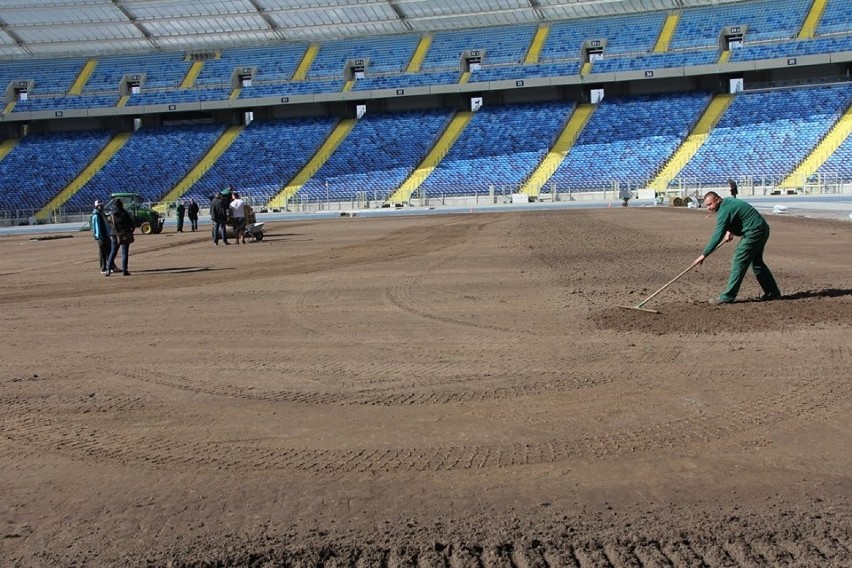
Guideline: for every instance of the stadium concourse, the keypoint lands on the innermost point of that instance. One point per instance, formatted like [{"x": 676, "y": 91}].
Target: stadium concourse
[
  {"x": 428, "y": 390},
  {"x": 837, "y": 206}
]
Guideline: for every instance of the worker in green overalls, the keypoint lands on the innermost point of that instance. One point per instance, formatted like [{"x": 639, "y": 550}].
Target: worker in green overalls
[{"x": 735, "y": 217}]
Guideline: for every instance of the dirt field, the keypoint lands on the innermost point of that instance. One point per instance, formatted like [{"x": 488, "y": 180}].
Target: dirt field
[{"x": 438, "y": 391}]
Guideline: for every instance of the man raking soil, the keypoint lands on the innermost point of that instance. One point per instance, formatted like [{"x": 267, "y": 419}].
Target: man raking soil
[{"x": 735, "y": 217}]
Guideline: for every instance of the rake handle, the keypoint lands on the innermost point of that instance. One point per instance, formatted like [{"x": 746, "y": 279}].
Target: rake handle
[{"x": 672, "y": 281}]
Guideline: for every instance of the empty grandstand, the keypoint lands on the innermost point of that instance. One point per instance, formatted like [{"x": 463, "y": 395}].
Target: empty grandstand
[{"x": 370, "y": 110}]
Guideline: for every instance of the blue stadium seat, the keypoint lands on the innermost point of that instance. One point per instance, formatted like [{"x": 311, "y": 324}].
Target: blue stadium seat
[
  {"x": 388, "y": 54},
  {"x": 51, "y": 76},
  {"x": 836, "y": 18},
  {"x": 765, "y": 20},
  {"x": 378, "y": 155},
  {"x": 634, "y": 33},
  {"x": 628, "y": 139},
  {"x": 152, "y": 161},
  {"x": 501, "y": 147},
  {"x": 767, "y": 133},
  {"x": 43, "y": 164},
  {"x": 505, "y": 44},
  {"x": 264, "y": 158}
]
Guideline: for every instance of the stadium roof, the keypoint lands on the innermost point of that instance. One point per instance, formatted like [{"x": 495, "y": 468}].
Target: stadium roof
[{"x": 52, "y": 28}]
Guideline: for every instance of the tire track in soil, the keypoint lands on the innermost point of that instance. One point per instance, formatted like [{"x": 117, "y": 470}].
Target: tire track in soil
[
  {"x": 398, "y": 295},
  {"x": 405, "y": 394},
  {"x": 402, "y": 295},
  {"x": 404, "y": 242},
  {"x": 581, "y": 551},
  {"x": 304, "y": 305},
  {"x": 804, "y": 399},
  {"x": 96, "y": 403}
]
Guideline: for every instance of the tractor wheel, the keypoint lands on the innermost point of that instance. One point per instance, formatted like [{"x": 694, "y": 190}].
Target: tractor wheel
[{"x": 146, "y": 228}]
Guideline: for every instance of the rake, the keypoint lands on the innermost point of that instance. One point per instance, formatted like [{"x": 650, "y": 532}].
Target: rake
[{"x": 666, "y": 285}]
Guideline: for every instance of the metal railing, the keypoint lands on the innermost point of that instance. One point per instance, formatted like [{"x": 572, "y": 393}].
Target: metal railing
[{"x": 748, "y": 185}]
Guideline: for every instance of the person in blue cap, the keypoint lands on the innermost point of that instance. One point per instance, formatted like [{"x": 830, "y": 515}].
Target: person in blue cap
[{"x": 102, "y": 232}]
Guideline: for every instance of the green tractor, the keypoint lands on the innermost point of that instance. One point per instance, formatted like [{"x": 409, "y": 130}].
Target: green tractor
[{"x": 147, "y": 220}]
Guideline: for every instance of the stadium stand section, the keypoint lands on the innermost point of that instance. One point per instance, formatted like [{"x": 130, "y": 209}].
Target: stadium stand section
[
  {"x": 655, "y": 61},
  {"x": 504, "y": 72},
  {"x": 171, "y": 96},
  {"x": 839, "y": 165},
  {"x": 42, "y": 164},
  {"x": 273, "y": 64},
  {"x": 292, "y": 88},
  {"x": 792, "y": 48},
  {"x": 500, "y": 147},
  {"x": 628, "y": 139},
  {"x": 38, "y": 102},
  {"x": 837, "y": 18},
  {"x": 384, "y": 55},
  {"x": 377, "y": 156},
  {"x": 162, "y": 71},
  {"x": 623, "y": 34},
  {"x": 765, "y": 134},
  {"x": 765, "y": 20},
  {"x": 51, "y": 76},
  {"x": 506, "y": 44},
  {"x": 771, "y": 26},
  {"x": 266, "y": 156},
  {"x": 406, "y": 80},
  {"x": 150, "y": 163}
]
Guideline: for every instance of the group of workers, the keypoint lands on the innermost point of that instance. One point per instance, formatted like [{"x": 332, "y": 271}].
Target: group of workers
[
  {"x": 228, "y": 208},
  {"x": 734, "y": 217}
]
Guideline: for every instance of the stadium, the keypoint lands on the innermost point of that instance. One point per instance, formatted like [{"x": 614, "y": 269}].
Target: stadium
[{"x": 426, "y": 361}]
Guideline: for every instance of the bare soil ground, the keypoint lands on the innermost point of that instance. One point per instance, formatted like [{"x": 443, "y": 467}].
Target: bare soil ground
[{"x": 438, "y": 391}]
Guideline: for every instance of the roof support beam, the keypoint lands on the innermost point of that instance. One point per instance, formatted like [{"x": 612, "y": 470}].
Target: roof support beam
[
  {"x": 399, "y": 14},
  {"x": 173, "y": 24},
  {"x": 4, "y": 27},
  {"x": 263, "y": 14},
  {"x": 536, "y": 7},
  {"x": 145, "y": 33}
]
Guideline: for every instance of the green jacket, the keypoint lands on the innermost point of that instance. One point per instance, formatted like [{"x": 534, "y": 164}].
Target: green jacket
[{"x": 738, "y": 217}]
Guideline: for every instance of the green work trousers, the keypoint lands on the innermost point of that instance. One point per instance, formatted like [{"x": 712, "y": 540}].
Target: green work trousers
[{"x": 749, "y": 251}]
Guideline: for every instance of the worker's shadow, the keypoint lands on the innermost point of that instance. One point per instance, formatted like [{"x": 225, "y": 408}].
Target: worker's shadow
[
  {"x": 826, "y": 293},
  {"x": 179, "y": 270},
  {"x": 275, "y": 237}
]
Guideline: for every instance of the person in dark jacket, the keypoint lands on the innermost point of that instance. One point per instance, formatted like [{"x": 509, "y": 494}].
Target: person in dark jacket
[
  {"x": 219, "y": 208},
  {"x": 122, "y": 227},
  {"x": 180, "y": 213},
  {"x": 192, "y": 213},
  {"x": 733, "y": 185},
  {"x": 736, "y": 217},
  {"x": 102, "y": 232}
]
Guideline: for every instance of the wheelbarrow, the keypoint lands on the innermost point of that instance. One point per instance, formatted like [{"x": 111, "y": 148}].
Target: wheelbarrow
[{"x": 254, "y": 231}]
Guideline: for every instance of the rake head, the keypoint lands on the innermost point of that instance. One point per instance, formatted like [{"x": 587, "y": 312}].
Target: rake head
[{"x": 640, "y": 308}]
